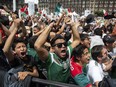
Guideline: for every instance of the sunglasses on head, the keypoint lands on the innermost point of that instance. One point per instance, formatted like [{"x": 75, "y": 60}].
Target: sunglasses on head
[{"x": 59, "y": 45}]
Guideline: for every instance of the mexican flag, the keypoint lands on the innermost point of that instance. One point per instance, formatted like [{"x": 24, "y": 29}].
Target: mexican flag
[
  {"x": 23, "y": 11},
  {"x": 58, "y": 8}
]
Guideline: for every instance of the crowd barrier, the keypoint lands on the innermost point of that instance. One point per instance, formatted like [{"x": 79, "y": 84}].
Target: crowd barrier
[
  {"x": 57, "y": 84},
  {"x": 53, "y": 83}
]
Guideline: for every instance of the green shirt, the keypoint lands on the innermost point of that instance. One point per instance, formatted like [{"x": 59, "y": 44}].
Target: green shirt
[
  {"x": 34, "y": 54},
  {"x": 58, "y": 70}
]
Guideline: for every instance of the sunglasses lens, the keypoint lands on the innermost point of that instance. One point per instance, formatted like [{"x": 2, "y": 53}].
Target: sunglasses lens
[
  {"x": 65, "y": 44},
  {"x": 60, "y": 45}
]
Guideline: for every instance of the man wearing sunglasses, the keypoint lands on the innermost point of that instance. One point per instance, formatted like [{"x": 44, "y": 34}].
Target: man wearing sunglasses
[{"x": 57, "y": 62}]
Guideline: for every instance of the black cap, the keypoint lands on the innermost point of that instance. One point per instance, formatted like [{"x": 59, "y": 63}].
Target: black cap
[{"x": 108, "y": 39}]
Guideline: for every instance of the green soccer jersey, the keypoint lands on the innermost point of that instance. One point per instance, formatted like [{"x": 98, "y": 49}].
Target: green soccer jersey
[
  {"x": 58, "y": 70},
  {"x": 33, "y": 53}
]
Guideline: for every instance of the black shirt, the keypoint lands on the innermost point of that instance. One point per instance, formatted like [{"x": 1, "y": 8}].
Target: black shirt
[
  {"x": 4, "y": 65},
  {"x": 27, "y": 64}
]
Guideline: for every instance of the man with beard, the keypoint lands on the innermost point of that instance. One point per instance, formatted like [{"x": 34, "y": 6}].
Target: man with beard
[{"x": 57, "y": 62}]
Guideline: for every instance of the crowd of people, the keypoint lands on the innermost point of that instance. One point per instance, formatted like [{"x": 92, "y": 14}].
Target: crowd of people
[{"x": 80, "y": 52}]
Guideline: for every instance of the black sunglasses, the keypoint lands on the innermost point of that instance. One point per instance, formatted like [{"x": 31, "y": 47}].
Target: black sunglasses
[{"x": 59, "y": 45}]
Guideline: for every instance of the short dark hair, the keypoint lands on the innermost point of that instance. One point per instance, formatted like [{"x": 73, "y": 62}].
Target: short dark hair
[
  {"x": 96, "y": 51},
  {"x": 78, "y": 51},
  {"x": 108, "y": 39},
  {"x": 16, "y": 41},
  {"x": 83, "y": 36},
  {"x": 98, "y": 31},
  {"x": 86, "y": 28},
  {"x": 57, "y": 36}
]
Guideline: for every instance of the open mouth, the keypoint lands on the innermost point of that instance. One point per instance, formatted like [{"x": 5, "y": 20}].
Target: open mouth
[
  {"x": 88, "y": 59},
  {"x": 63, "y": 51},
  {"x": 23, "y": 53}
]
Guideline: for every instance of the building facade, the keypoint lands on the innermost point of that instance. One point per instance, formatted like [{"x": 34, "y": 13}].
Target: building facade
[
  {"x": 9, "y": 3},
  {"x": 75, "y": 5},
  {"x": 80, "y": 5}
]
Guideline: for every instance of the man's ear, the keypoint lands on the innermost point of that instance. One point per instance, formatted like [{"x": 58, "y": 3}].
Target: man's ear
[
  {"x": 52, "y": 49},
  {"x": 99, "y": 58},
  {"x": 78, "y": 58},
  {"x": 106, "y": 44},
  {"x": 81, "y": 42}
]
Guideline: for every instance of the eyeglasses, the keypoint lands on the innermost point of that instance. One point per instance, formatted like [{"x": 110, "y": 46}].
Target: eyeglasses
[{"x": 59, "y": 45}]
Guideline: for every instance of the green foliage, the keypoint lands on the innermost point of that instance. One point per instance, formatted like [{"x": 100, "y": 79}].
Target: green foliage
[{"x": 99, "y": 13}]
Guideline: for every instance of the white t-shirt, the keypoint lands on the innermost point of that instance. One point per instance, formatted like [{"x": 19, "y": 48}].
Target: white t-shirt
[
  {"x": 96, "y": 40},
  {"x": 95, "y": 71}
]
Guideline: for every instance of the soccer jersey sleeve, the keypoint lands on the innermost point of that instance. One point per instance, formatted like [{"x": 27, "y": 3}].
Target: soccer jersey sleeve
[
  {"x": 82, "y": 80},
  {"x": 78, "y": 75}
]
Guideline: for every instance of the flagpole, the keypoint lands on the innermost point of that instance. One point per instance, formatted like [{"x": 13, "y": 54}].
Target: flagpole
[
  {"x": 14, "y": 5},
  {"x": 93, "y": 6},
  {"x": 19, "y": 13}
]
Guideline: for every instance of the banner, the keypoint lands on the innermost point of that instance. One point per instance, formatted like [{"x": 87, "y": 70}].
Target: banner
[{"x": 31, "y": 8}]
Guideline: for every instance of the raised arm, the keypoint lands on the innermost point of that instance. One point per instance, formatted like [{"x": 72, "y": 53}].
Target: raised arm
[
  {"x": 11, "y": 27},
  {"x": 62, "y": 29},
  {"x": 52, "y": 34},
  {"x": 24, "y": 31},
  {"x": 76, "y": 37},
  {"x": 59, "y": 20},
  {"x": 7, "y": 47},
  {"x": 42, "y": 52},
  {"x": 38, "y": 33}
]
